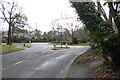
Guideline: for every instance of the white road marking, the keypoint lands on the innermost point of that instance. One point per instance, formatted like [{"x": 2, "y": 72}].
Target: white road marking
[
  {"x": 18, "y": 62},
  {"x": 61, "y": 71},
  {"x": 1, "y": 68},
  {"x": 35, "y": 55},
  {"x": 27, "y": 58},
  {"x": 43, "y": 52}
]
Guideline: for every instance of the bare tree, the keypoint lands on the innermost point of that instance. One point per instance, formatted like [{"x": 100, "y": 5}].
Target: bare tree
[
  {"x": 12, "y": 14},
  {"x": 71, "y": 30},
  {"x": 37, "y": 34}
]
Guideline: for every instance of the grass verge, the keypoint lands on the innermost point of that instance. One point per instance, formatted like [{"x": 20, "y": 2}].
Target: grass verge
[
  {"x": 9, "y": 48},
  {"x": 27, "y": 46}
]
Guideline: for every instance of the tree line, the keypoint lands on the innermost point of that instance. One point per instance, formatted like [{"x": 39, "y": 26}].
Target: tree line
[{"x": 24, "y": 35}]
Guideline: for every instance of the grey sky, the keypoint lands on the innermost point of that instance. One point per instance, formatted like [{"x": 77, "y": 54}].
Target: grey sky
[{"x": 41, "y": 13}]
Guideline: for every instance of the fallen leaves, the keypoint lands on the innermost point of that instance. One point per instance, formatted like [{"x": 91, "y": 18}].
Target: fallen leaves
[
  {"x": 89, "y": 56},
  {"x": 106, "y": 72},
  {"x": 101, "y": 72}
]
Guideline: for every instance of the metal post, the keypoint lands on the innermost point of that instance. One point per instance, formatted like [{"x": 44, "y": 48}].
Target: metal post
[{"x": 61, "y": 29}]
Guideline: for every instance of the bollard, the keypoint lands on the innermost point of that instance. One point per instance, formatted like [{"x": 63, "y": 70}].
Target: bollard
[
  {"x": 24, "y": 44},
  {"x": 54, "y": 45},
  {"x": 29, "y": 41},
  {"x": 66, "y": 45}
]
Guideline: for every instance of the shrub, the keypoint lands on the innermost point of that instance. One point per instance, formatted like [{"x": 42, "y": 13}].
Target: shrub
[
  {"x": 68, "y": 42},
  {"x": 84, "y": 40},
  {"x": 75, "y": 41}
]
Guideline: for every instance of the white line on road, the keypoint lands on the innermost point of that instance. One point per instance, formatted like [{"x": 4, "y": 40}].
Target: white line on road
[
  {"x": 35, "y": 55},
  {"x": 43, "y": 51},
  {"x": 25, "y": 59},
  {"x": 1, "y": 68},
  {"x": 61, "y": 71},
  {"x": 17, "y": 62}
]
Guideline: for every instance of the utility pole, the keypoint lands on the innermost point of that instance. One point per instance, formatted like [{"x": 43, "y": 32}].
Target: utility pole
[{"x": 61, "y": 29}]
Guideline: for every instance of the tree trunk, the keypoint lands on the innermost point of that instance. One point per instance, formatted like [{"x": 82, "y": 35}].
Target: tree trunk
[
  {"x": 13, "y": 29},
  {"x": 9, "y": 35},
  {"x": 115, "y": 16},
  {"x": 100, "y": 8},
  {"x": 110, "y": 17},
  {"x": 116, "y": 59}
]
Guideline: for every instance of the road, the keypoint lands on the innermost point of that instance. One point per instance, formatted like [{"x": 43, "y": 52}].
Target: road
[{"x": 40, "y": 61}]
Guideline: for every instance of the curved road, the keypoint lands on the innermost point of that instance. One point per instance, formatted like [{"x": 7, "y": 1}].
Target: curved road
[{"x": 39, "y": 61}]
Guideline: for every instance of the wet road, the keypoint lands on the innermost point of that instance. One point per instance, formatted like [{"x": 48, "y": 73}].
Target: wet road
[{"x": 39, "y": 61}]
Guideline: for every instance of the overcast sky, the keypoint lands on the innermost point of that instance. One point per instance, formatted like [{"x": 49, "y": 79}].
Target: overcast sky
[{"x": 41, "y": 13}]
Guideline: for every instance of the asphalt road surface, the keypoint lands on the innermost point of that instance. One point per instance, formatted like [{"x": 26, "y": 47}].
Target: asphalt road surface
[{"x": 40, "y": 61}]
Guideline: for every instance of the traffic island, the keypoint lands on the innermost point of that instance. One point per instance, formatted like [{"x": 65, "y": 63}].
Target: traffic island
[{"x": 59, "y": 48}]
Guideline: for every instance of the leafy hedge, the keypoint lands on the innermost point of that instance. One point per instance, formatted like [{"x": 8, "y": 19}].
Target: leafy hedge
[{"x": 68, "y": 42}]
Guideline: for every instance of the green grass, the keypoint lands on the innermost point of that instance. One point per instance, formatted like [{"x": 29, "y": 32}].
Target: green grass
[
  {"x": 27, "y": 46},
  {"x": 7, "y": 48}
]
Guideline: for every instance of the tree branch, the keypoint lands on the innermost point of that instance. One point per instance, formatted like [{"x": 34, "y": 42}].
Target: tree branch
[{"x": 3, "y": 12}]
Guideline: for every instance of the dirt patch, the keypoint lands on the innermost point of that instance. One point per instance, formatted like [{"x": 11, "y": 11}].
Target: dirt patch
[
  {"x": 84, "y": 65},
  {"x": 89, "y": 56}
]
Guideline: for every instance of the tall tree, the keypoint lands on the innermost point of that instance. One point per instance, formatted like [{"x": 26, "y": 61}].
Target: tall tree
[
  {"x": 12, "y": 14},
  {"x": 102, "y": 36},
  {"x": 37, "y": 34}
]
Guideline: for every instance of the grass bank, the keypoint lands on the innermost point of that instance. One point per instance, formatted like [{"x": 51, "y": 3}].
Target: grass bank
[
  {"x": 9, "y": 48},
  {"x": 27, "y": 46}
]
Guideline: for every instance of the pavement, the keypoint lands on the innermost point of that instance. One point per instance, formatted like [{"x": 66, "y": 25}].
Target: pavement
[{"x": 40, "y": 61}]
